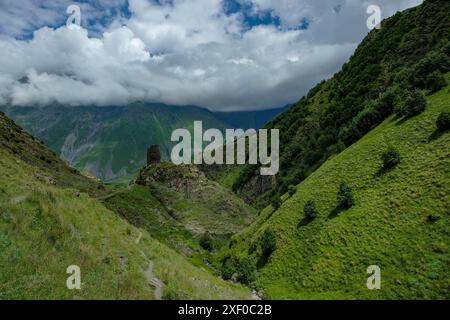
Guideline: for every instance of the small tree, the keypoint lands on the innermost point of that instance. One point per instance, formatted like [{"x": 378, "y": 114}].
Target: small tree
[
  {"x": 443, "y": 121},
  {"x": 228, "y": 269},
  {"x": 345, "y": 196},
  {"x": 415, "y": 104},
  {"x": 435, "y": 81},
  {"x": 310, "y": 210},
  {"x": 207, "y": 242},
  {"x": 268, "y": 242},
  {"x": 390, "y": 158},
  {"x": 292, "y": 190},
  {"x": 247, "y": 270}
]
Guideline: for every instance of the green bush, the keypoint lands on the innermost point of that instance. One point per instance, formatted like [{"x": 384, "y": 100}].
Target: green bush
[
  {"x": 415, "y": 104},
  {"x": 268, "y": 242},
  {"x": 435, "y": 82},
  {"x": 443, "y": 121},
  {"x": 247, "y": 270},
  {"x": 390, "y": 158},
  {"x": 345, "y": 196},
  {"x": 207, "y": 242},
  {"x": 310, "y": 210},
  {"x": 228, "y": 269},
  {"x": 292, "y": 190},
  {"x": 433, "y": 62}
]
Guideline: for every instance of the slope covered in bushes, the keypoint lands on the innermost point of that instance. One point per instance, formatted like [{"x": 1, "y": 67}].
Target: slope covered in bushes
[
  {"x": 411, "y": 52},
  {"x": 398, "y": 219}
]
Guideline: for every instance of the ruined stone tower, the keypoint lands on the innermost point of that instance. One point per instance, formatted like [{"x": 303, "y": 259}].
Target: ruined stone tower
[{"x": 153, "y": 154}]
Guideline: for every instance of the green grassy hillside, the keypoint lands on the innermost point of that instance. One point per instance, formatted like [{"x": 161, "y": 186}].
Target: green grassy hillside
[
  {"x": 50, "y": 219},
  {"x": 392, "y": 224},
  {"x": 44, "y": 229},
  {"x": 404, "y": 55},
  {"x": 178, "y": 205}
]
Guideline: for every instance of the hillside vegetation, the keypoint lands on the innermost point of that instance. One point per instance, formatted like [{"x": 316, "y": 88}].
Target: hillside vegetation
[
  {"x": 400, "y": 221},
  {"x": 179, "y": 206},
  {"x": 48, "y": 222},
  {"x": 411, "y": 51}
]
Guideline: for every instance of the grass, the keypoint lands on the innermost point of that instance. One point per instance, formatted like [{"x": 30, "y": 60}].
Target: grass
[
  {"x": 45, "y": 228},
  {"x": 139, "y": 207},
  {"x": 327, "y": 258}
]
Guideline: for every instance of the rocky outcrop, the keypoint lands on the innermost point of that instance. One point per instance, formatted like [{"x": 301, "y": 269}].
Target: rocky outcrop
[
  {"x": 172, "y": 176},
  {"x": 193, "y": 200}
]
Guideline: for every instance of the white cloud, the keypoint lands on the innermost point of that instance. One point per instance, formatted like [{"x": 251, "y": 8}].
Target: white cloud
[{"x": 186, "y": 52}]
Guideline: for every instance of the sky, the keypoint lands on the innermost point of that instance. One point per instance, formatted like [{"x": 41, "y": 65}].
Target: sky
[{"x": 224, "y": 55}]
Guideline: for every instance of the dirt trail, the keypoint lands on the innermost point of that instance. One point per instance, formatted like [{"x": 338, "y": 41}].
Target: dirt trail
[
  {"x": 152, "y": 280},
  {"x": 138, "y": 238}
]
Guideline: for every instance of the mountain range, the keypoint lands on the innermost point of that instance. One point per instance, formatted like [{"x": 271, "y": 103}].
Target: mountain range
[
  {"x": 111, "y": 143},
  {"x": 364, "y": 185}
]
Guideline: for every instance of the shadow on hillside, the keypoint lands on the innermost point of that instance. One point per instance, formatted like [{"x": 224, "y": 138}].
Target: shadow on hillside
[
  {"x": 262, "y": 261},
  {"x": 401, "y": 120},
  {"x": 304, "y": 222},
  {"x": 395, "y": 118},
  {"x": 436, "y": 135},
  {"x": 382, "y": 171},
  {"x": 336, "y": 212}
]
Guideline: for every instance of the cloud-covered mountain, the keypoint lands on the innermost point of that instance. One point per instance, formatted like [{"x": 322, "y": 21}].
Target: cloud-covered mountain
[{"x": 220, "y": 54}]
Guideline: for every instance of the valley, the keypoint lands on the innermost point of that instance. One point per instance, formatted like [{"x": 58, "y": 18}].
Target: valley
[{"x": 362, "y": 189}]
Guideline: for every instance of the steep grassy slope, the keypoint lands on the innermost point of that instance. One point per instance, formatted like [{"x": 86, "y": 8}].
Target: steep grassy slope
[
  {"x": 47, "y": 224},
  {"x": 109, "y": 142},
  {"x": 388, "y": 64},
  {"x": 389, "y": 225},
  {"x": 23, "y": 146}
]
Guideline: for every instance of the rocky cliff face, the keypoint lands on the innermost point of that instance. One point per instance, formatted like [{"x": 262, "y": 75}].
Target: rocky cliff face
[{"x": 172, "y": 176}]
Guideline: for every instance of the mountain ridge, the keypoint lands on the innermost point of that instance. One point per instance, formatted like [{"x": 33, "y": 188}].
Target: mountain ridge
[
  {"x": 111, "y": 142},
  {"x": 387, "y": 65}
]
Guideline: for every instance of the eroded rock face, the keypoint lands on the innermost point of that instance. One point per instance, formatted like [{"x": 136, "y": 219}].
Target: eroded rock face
[
  {"x": 257, "y": 186},
  {"x": 174, "y": 177}
]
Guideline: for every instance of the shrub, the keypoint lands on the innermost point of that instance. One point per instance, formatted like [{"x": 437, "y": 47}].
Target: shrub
[
  {"x": 434, "y": 61},
  {"x": 435, "y": 82},
  {"x": 415, "y": 104},
  {"x": 292, "y": 190},
  {"x": 391, "y": 99},
  {"x": 310, "y": 210},
  {"x": 247, "y": 270},
  {"x": 276, "y": 202},
  {"x": 443, "y": 121},
  {"x": 390, "y": 158},
  {"x": 207, "y": 242},
  {"x": 228, "y": 269},
  {"x": 345, "y": 196},
  {"x": 268, "y": 242}
]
